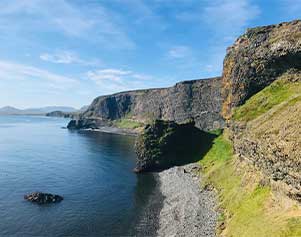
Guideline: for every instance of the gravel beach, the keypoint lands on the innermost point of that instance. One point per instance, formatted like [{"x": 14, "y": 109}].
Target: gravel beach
[{"x": 187, "y": 210}]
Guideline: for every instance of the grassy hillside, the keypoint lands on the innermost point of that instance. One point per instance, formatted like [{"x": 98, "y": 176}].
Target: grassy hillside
[
  {"x": 128, "y": 124},
  {"x": 249, "y": 207},
  {"x": 286, "y": 88}
]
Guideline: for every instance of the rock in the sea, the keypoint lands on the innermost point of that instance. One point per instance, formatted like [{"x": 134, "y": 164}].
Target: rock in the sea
[
  {"x": 43, "y": 198},
  {"x": 164, "y": 144}
]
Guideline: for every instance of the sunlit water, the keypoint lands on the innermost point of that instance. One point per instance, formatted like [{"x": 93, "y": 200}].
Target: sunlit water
[{"x": 91, "y": 170}]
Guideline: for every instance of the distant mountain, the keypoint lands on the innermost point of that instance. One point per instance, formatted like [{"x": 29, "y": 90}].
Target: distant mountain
[{"x": 8, "y": 110}]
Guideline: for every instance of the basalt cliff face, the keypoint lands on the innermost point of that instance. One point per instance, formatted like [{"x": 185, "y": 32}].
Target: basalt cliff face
[
  {"x": 199, "y": 100},
  {"x": 256, "y": 59}
]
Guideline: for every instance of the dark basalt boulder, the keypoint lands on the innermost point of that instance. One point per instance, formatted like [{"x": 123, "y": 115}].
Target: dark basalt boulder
[
  {"x": 164, "y": 144},
  {"x": 43, "y": 198}
]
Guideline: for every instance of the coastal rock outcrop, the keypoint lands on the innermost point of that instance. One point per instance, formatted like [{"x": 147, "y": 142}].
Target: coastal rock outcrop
[
  {"x": 164, "y": 144},
  {"x": 60, "y": 114},
  {"x": 199, "y": 100},
  {"x": 43, "y": 198},
  {"x": 256, "y": 59}
]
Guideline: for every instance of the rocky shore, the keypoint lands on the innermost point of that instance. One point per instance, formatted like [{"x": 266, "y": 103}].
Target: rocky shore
[
  {"x": 187, "y": 209},
  {"x": 179, "y": 206}
]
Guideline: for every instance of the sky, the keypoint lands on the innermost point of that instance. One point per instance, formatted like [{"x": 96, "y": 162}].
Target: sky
[{"x": 67, "y": 52}]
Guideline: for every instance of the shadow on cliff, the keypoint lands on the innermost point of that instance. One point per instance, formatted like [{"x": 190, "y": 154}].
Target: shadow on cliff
[
  {"x": 165, "y": 144},
  {"x": 192, "y": 147}
]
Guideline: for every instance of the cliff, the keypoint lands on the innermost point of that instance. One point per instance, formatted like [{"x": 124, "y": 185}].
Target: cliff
[
  {"x": 256, "y": 59},
  {"x": 199, "y": 100},
  {"x": 262, "y": 91},
  {"x": 256, "y": 163}
]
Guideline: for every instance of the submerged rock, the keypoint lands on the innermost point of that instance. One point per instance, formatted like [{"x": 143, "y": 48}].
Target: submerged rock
[
  {"x": 164, "y": 144},
  {"x": 43, "y": 198}
]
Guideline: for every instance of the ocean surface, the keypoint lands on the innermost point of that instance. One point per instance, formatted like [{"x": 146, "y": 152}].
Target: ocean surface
[{"x": 91, "y": 170}]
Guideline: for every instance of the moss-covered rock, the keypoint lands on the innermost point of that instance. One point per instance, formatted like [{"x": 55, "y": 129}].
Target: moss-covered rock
[{"x": 164, "y": 144}]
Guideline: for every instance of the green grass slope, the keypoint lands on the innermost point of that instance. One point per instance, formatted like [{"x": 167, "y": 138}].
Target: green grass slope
[
  {"x": 248, "y": 207},
  {"x": 286, "y": 88}
]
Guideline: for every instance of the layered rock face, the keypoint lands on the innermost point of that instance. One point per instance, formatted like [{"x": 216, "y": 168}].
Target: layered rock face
[
  {"x": 199, "y": 100},
  {"x": 256, "y": 59}
]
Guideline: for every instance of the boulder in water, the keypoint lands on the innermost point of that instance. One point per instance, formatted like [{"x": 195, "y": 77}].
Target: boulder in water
[{"x": 43, "y": 198}]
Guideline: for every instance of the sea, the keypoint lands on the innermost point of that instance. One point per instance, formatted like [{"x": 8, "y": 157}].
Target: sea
[{"x": 93, "y": 171}]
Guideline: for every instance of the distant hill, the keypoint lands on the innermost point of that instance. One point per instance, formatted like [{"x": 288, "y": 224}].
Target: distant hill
[{"x": 9, "y": 110}]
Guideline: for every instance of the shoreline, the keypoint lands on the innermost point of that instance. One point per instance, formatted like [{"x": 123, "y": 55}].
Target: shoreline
[
  {"x": 111, "y": 130},
  {"x": 147, "y": 222},
  {"x": 187, "y": 209}
]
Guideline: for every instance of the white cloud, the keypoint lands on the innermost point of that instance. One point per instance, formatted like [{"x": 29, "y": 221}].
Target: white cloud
[
  {"x": 74, "y": 19},
  {"x": 67, "y": 57},
  {"x": 18, "y": 72},
  {"x": 116, "y": 80}
]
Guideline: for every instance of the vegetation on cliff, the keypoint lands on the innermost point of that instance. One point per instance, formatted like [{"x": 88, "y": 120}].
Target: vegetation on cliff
[
  {"x": 127, "y": 123},
  {"x": 266, "y": 132},
  {"x": 287, "y": 88},
  {"x": 248, "y": 206}
]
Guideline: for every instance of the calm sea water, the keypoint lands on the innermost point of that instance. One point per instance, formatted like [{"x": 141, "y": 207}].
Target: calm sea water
[{"x": 91, "y": 170}]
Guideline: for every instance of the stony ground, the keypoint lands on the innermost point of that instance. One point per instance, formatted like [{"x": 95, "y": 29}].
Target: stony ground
[{"x": 187, "y": 209}]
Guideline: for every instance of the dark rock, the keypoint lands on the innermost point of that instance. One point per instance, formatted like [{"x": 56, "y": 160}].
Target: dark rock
[
  {"x": 164, "y": 144},
  {"x": 86, "y": 123},
  {"x": 43, "y": 198}
]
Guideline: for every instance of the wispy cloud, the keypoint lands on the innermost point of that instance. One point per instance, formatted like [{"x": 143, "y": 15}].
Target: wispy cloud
[
  {"x": 91, "y": 22},
  {"x": 115, "y": 80},
  {"x": 68, "y": 57},
  {"x": 18, "y": 72}
]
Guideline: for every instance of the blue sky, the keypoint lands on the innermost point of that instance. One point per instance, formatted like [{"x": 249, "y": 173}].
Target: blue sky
[{"x": 67, "y": 52}]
